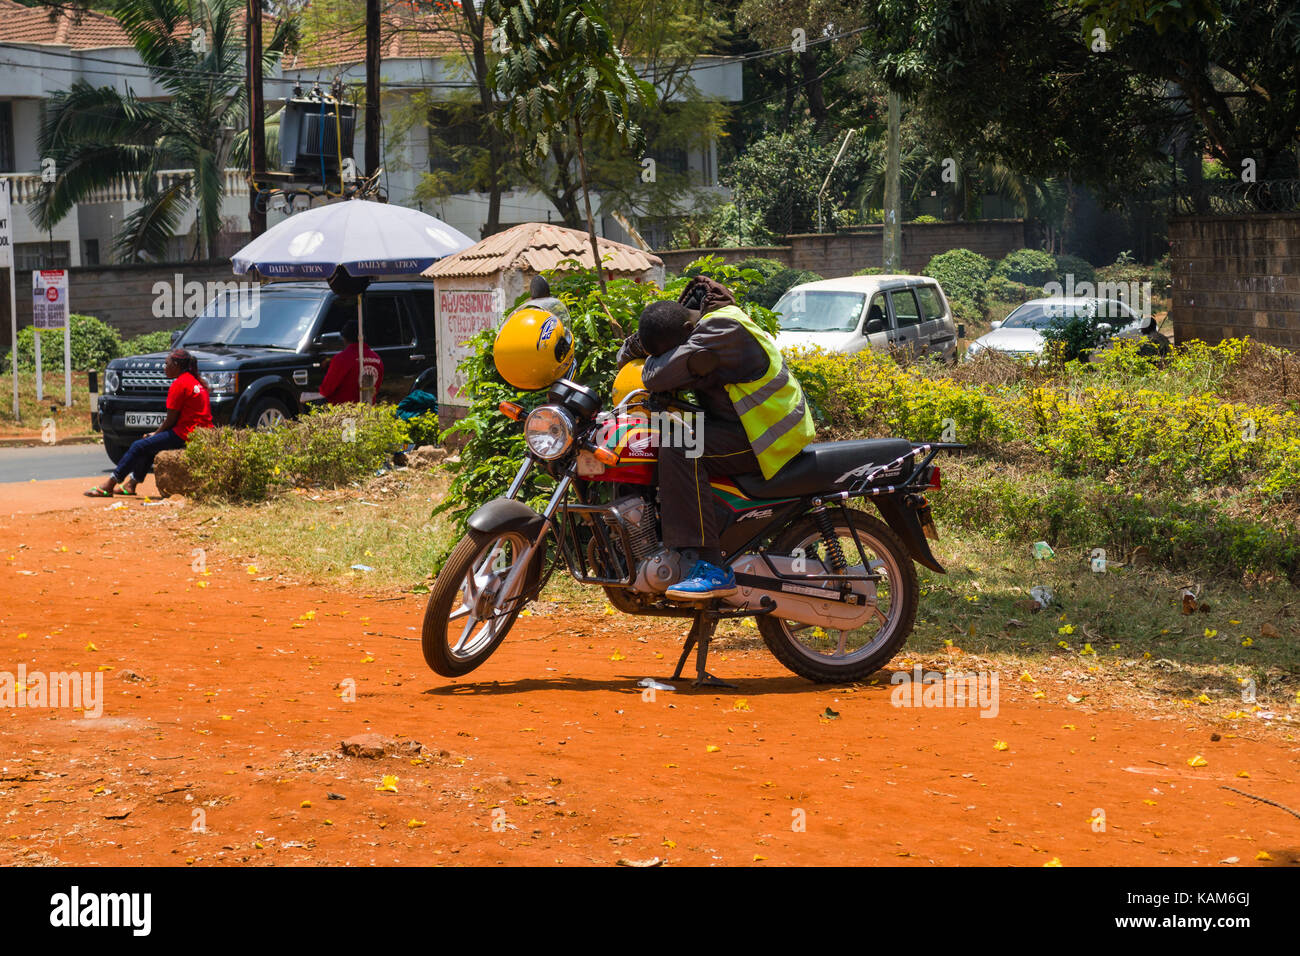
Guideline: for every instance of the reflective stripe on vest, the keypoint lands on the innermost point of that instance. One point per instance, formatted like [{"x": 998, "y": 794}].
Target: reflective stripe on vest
[{"x": 772, "y": 409}]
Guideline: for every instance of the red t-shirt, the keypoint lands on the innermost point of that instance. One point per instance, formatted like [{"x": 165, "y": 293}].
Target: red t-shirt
[
  {"x": 340, "y": 384},
  {"x": 188, "y": 396}
]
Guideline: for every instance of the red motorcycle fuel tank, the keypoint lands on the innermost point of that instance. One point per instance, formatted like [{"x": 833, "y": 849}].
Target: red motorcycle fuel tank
[{"x": 632, "y": 438}]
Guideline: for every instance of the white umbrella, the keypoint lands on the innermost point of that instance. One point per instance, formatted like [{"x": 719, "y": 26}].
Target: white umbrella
[{"x": 361, "y": 239}]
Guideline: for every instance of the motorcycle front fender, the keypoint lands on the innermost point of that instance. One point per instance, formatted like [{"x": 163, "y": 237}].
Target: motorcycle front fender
[{"x": 506, "y": 514}]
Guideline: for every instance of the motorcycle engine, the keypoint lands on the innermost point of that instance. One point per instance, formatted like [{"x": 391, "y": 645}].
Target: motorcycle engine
[{"x": 657, "y": 568}]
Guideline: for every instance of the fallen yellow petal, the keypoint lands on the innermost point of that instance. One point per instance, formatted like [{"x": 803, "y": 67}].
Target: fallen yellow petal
[
  {"x": 389, "y": 784},
  {"x": 1000, "y": 745},
  {"x": 1198, "y": 761}
]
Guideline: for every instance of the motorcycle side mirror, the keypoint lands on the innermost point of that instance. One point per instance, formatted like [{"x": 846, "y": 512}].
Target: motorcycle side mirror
[{"x": 539, "y": 288}]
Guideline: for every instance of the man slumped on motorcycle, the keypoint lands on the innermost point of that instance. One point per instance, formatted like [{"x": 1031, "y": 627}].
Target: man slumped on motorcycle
[{"x": 755, "y": 416}]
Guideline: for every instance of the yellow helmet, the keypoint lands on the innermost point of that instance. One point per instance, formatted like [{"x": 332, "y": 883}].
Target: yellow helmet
[
  {"x": 627, "y": 381},
  {"x": 534, "y": 347}
]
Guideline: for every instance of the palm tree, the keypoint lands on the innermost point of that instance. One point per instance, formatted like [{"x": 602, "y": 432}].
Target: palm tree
[{"x": 98, "y": 136}]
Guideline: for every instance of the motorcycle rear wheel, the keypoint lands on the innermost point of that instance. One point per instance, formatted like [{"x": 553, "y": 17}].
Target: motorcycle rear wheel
[
  {"x": 824, "y": 655},
  {"x": 468, "y": 615}
]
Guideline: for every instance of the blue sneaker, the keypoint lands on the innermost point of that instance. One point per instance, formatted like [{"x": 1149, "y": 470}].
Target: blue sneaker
[{"x": 704, "y": 582}]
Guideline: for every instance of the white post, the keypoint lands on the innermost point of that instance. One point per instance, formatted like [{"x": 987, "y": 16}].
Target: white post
[
  {"x": 67, "y": 342},
  {"x": 40, "y": 385},
  {"x": 7, "y": 258}
]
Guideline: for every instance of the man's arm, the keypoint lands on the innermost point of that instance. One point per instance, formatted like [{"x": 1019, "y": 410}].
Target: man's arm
[{"x": 719, "y": 352}]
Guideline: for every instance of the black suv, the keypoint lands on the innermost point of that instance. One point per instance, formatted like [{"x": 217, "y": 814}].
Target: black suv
[{"x": 263, "y": 353}]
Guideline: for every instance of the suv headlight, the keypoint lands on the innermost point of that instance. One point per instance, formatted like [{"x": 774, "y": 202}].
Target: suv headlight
[
  {"x": 548, "y": 430},
  {"x": 112, "y": 381},
  {"x": 222, "y": 384}
]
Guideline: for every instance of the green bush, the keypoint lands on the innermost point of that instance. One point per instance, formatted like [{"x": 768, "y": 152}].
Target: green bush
[
  {"x": 336, "y": 444},
  {"x": 964, "y": 310},
  {"x": 870, "y": 271},
  {"x": 234, "y": 464},
  {"x": 1129, "y": 273},
  {"x": 924, "y": 219},
  {"x": 424, "y": 429},
  {"x": 1081, "y": 269},
  {"x": 962, "y": 275},
  {"x": 1001, "y": 289},
  {"x": 764, "y": 267},
  {"x": 1031, "y": 267},
  {"x": 93, "y": 344},
  {"x": 330, "y": 445},
  {"x": 148, "y": 343},
  {"x": 770, "y": 291}
]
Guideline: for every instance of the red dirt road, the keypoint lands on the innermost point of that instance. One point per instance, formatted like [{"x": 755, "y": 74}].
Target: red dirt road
[{"x": 224, "y": 745}]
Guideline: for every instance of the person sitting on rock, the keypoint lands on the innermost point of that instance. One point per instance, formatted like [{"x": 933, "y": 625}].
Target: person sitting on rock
[{"x": 187, "y": 409}]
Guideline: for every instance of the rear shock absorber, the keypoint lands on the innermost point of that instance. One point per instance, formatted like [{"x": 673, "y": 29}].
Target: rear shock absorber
[{"x": 834, "y": 553}]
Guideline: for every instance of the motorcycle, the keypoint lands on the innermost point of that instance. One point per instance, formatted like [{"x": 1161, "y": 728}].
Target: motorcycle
[{"x": 832, "y": 588}]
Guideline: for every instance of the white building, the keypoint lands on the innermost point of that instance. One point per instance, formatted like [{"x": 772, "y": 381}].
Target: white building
[{"x": 39, "y": 57}]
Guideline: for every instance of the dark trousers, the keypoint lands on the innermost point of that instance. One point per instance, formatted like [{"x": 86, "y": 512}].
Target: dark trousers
[
  {"x": 138, "y": 459},
  {"x": 685, "y": 499}
]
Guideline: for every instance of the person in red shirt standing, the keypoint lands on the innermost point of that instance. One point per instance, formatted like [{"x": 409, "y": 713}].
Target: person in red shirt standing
[
  {"x": 340, "y": 384},
  {"x": 187, "y": 409}
]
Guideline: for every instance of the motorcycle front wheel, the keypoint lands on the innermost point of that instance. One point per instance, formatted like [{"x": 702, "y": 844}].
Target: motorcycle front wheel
[
  {"x": 829, "y": 655},
  {"x": 469, "y": 612}
]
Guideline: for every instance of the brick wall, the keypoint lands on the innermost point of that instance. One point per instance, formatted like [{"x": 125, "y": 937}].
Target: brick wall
[
  {"x": 122, "y": 296},
  {"x": 844, "y": 253},
  {"x": 1235, "y": 276}
]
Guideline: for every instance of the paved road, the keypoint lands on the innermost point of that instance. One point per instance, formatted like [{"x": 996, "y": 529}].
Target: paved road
[{"x": 63, "y": 461}]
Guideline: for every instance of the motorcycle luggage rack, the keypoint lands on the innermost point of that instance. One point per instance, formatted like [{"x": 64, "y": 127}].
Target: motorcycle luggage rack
[
  {"x": 600, "y": 520},
  {"x": 862, "y": 488}
]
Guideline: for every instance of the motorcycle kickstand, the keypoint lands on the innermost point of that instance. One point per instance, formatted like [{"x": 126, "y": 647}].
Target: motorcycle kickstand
[{"x": 698, "y": 639}]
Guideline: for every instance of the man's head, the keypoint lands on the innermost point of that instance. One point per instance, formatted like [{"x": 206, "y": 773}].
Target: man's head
[
  {"x": 349, "y": 331},
  {"x": 664, "y": 325}
]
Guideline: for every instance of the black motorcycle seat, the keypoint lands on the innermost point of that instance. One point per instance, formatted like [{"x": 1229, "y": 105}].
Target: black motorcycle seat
[{"x": 827, "y": 467}]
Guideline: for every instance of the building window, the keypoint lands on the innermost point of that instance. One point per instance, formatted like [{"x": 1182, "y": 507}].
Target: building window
[
  {"x": 7, "y": 137},
  {"x": 41, "y": 255},
  {"x": 452, "y": 142}
]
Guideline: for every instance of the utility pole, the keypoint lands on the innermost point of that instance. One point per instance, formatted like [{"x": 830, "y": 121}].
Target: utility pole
[
  {"x": 256, "y": 120},
  {"x": 372, "y": 87},
  {"x": 892, "y": 240}
]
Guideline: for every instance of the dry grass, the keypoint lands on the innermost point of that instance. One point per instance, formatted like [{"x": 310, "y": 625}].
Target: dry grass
[{"x": 71, "y": 422}]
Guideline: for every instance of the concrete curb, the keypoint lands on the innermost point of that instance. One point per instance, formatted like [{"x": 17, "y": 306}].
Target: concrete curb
[{"x": 35, "y": 442}]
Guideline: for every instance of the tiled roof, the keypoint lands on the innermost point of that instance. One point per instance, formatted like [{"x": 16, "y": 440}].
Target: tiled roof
[
  {"x": 539, "y": 246},
  {"x": 20, "y": 24},
  {"x": 405, "y": 34}
]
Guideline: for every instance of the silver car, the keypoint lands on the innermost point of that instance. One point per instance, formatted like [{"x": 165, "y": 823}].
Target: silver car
[{"x": 907, "y": 314}]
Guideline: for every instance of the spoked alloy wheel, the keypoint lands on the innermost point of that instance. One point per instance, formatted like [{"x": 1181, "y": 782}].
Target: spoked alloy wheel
[
  {"x": 469, "y": 611},
  {"x": 835, "y": 655}
]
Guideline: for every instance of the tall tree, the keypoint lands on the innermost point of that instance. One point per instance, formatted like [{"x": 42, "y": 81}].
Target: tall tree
[
  {"x": 562, "y": 72},
  {"x": 1094, "y": 89},
  {"x": 99, "y": 136}
]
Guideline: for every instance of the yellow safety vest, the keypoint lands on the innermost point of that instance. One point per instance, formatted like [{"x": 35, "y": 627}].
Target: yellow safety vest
[{"x": 772, "y": 409}]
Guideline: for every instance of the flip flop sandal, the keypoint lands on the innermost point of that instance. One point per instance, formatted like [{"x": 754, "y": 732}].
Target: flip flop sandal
[
  {"x": 128, "y": 494},
  {"x": 97, "y": 492}
]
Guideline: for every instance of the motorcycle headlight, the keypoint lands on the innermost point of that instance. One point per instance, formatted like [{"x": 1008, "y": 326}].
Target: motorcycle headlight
[
  {"x": 548, "y": 430},
  {"x": 222, "y": 383},
  {"x": 112, "y": 381}
]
